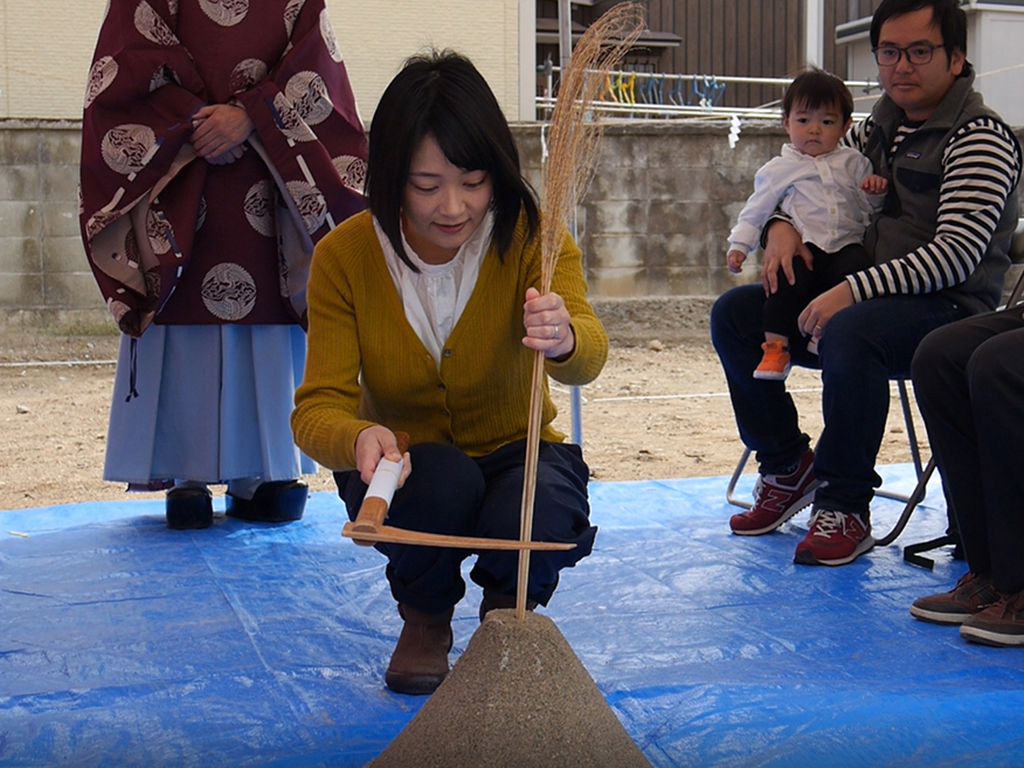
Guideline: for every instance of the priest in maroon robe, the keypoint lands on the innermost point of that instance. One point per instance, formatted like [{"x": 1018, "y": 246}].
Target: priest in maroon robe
[{"x": 220, "y": 141}]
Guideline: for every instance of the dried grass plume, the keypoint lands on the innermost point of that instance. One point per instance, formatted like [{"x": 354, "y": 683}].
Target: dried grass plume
[
  {"x": 575, "y": 132},
  {"x": 572, "y": 146}
]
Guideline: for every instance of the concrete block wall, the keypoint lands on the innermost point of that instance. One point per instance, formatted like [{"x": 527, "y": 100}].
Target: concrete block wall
[
  {"x": 43, "y": 270},
  {"x": 662, "y": 200},
  {"x": 652, "y": 224}
]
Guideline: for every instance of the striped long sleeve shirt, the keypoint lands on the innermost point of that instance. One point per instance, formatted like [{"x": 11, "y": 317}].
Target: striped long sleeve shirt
[{"x": 981, "y": 166}]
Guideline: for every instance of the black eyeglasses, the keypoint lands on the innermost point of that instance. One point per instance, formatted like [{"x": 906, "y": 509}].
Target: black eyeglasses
[{"x": 889, "y": 55}]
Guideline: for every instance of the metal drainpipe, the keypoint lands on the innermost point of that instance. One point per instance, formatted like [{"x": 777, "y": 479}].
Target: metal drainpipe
[{"x": 564, "y": 54}]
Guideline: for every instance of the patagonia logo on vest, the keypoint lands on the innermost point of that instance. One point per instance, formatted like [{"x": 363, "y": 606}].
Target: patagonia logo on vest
[{"x": 912, "y": 155}]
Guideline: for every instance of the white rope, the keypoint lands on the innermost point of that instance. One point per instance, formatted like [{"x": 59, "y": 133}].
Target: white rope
[
  {"x": 638, "y": 398},
  {"x": 51, "y": 363},
  {"x": 893, "y": 385},
  {"x": 999, "y": 71}
]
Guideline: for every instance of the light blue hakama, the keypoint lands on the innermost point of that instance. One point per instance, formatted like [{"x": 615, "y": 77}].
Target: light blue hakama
[{"x": 213, "y": 405}]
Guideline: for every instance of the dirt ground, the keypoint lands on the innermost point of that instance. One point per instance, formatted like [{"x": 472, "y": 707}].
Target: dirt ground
[{"x": 659, "y": 410}]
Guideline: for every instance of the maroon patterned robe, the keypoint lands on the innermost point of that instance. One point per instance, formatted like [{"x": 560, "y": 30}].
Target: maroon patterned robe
[{"x": 172, "y": 237}]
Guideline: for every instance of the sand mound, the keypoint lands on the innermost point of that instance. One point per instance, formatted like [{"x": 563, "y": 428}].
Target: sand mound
[{"x": 518, "y": 696}]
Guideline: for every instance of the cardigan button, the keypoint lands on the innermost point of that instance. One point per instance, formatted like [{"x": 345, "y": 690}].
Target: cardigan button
[{"x": 447, "y": 353}]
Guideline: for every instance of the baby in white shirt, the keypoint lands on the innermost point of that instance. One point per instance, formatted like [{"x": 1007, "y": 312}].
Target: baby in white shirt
[{"x": 829, "y": 194}]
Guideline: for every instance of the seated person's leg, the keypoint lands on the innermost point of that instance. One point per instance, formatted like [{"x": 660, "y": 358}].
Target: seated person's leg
[
  {"x": 765, "y": 413},
  {"x": 781, "y": 310},
  {"x": 996, "y": 374},
  {"x": 942, "y": 389},
  {"x": 996, "y": 380},
  {"x": 863, "y": 347}
]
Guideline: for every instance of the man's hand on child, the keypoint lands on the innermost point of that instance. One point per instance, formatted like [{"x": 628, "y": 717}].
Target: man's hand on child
[
  {"x": 783, "y": 245},
  {"x": 735, "y": 260},
  {"x": 874, "y": 184}
]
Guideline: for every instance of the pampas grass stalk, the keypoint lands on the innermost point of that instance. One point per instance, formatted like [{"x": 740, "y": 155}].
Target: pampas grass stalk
[{"x": 573, "y": 140}]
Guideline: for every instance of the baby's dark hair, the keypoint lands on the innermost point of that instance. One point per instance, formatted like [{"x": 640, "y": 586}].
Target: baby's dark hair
[{"x": 816, "y": 89}]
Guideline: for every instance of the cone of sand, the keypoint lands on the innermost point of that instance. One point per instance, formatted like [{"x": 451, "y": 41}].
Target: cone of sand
[{"x": 518, "y": 696}]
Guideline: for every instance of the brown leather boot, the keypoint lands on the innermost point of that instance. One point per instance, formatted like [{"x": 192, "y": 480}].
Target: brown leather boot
[
  {"x": 420, "y": 660},
  {"x": 494, "y": 600}
]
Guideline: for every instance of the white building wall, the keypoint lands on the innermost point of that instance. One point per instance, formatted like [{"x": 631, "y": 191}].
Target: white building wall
[
  {"x": 45, "y": 50},
  {"x": 995, "y": 45},
  {"x": 46, "y": 47},
  {"x": 376, "y": 37}
]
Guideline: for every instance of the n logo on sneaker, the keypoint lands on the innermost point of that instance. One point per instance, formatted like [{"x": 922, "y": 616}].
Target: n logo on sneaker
[{"x": 775, "y": 499}]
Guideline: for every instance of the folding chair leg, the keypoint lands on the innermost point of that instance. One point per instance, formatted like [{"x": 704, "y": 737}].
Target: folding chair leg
[
  {"x": 730, "y": 496},
  {"x": 913, "y": 500},
  {"x": 908, "y": 418},
  {"x": 915, "y": 451}
]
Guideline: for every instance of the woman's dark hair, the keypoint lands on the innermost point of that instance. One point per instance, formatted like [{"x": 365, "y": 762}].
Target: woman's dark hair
[
  {"x": 441, "y": 94},
  {"x": 818, "y": 89},
  {"x": 947, "y": 14}
]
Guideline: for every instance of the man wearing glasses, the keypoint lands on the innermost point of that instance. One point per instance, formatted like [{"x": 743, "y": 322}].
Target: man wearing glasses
[{"x": 940, "y": 249}]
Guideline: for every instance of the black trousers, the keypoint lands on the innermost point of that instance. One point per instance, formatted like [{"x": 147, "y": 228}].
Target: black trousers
[
  {"x": 782, "y": 308},
  {"x": 448, "y": 492},
  {"x": 969, "y": 383}
]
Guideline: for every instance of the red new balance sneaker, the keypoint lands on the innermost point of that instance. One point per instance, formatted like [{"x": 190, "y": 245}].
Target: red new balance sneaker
[
  {"x": 835, "y": 538},
  {"x": 777, "y": 498}
]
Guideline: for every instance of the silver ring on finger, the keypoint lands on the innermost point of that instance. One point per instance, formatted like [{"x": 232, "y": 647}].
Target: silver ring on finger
[{"x": 555, "y": 333}]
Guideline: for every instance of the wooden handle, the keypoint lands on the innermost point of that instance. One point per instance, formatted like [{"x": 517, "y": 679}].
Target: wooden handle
[
  {"x": 374, "y": 509},
  {"x": 371, "y": 515},
  {"x": 418, "y": 538}
]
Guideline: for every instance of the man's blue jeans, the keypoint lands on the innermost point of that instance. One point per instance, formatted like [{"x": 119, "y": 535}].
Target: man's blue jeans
[{"x": 862, "y": 348}]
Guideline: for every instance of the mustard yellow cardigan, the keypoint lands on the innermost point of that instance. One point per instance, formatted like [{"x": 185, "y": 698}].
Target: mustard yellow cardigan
[{"x": 365, "y": 364}]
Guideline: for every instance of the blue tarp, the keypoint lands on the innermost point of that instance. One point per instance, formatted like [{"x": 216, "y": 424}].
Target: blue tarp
[{"x": 124, "y": 643}]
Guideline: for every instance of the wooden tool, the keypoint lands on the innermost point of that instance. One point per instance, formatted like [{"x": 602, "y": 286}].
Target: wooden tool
[{"x": 368, "y": 527}]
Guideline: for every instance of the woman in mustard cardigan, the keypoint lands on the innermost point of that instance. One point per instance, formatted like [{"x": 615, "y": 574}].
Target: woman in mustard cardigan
[{"x": 424, "y": 318}]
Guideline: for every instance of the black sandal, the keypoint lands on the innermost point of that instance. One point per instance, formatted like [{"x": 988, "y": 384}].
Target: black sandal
[
  {"x": 189, "y": 508},
  {"x": 279, "y": 501}
]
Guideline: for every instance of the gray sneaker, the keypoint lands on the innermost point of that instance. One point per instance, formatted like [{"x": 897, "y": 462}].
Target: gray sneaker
[{"x": 972, "y": 594}]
